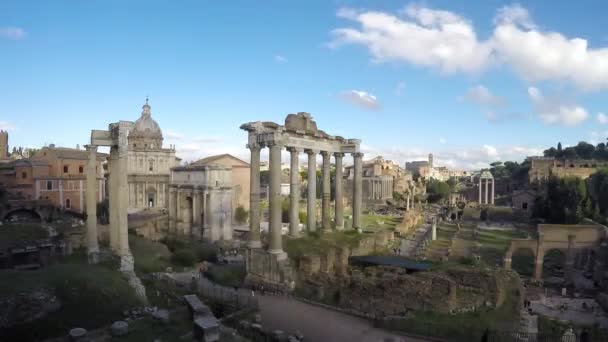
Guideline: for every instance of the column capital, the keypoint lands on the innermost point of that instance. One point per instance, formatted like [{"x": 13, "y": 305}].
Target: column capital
[
  {"x": 325, "y": 153},
  {"x": 254, "y": 146},
  {"x": 357, "y": 154},
  {"x": 274, "y": 143},
  {"x": 294, "y": 149},
  {"x": 311, "y": 151},
  {"x": 338, "y": 154},
  {"x": 172, "y": 189},
  {"x": 90, "y": 147}
]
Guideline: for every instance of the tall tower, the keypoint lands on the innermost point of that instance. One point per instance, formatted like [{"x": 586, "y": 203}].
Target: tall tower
[
  {"x": 3, "y": 145},
  {"x": 430, "y": 160}
]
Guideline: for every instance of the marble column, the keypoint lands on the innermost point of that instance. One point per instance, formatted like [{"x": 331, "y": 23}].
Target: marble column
[
  {"x": 172, "y": 194},
  {"x": 339, "y": 201},
  {"x": 434, "y": 229},
  {"x": 91, "y": 205},
  {"x": 275, "y": 200},
  {"x": 112, "y": 199},
  {"x": 570, "y": 257},
  {"x": 357, "y": 183},
  {"x": 326, "y": 199},
  {"x": 178, "y": 211},
  {"x": 487, "y": 185},
  {"x": 196, "y": 213},
  {"x": 407, "y": 202},
  {"x": 254, "y": 197},
  {"x": 492, "y": 201},
  {"x": 311, "y": 219},
  {"x": 294, "y": 192},
  {"x": 479, "y": 189},
  {"x": 123, "y": 204}
]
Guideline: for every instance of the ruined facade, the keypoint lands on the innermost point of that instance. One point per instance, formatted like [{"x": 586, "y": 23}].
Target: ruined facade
[
  {"x": 541, "y": 168},
  {"x": 200, "y": 201}
]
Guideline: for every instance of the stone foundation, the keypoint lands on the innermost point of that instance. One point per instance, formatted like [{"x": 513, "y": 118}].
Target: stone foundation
[{"x": 264, "y": 267}]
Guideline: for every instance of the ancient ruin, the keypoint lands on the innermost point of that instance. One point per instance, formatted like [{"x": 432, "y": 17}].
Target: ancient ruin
[
  {"x": 300, "y": 133},
  {"x": 485, "y": 178}
]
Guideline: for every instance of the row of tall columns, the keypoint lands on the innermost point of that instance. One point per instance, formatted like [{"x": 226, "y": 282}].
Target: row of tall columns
[
  {"x": 91, "y": 205},
  {"x": 275, "y": 224},
  {"x": 487, "y": 184}
]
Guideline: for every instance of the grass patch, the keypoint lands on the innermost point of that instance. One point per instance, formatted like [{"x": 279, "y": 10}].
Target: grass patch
[
  {"x": 314, "y": 243},
  {"x": 91, "y": 296},
  {"x": 149, "y": 256},
  {"x": 376, "y": 222},
  {"x": 227, "y": 274},
  {"x": 21, "y": 231}
]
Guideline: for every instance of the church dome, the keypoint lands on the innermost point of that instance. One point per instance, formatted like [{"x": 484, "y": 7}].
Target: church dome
[{"x": 145, "y": 126}]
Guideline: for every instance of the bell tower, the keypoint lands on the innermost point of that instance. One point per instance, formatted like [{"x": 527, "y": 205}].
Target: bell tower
[{"x": 3, "y": 145}]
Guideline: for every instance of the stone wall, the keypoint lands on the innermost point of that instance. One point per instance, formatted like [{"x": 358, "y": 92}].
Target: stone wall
[
  {"x": 153, "y": 228},
  {"x": 334, "y": 260},
  {"x": 411, "y": 220},
  {"x": 390, "y": 291}
]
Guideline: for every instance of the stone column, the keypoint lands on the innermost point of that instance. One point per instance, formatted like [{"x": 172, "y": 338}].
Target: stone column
[
  {"x": 178, "y": 211},
  {"x": 196, "y": 213},
  {"x": 339, "y": 201},
  {"x": 434, "y": 229},
  {"x": 254, "y": 197},
  {"x": 480, "y": 189},
  {"x": 407, "y": 203},
  {"x": 112, "y": 199},
  {"x": 172, "y": 209},
  {"x": 487, "y": 184},
  {"x": 326, "y": 200},
  {"x": 294, "y": 192},
  {"x": 92, "y": 245},
  {"x": 275, "y": 200},
  {"x": 492, "y": 201},
  {"x": 357, "y": 183},
  {"x": 311, "y": 220},
  {"x": 570, "y": 256},
  {"x": 123, "y": 204}
]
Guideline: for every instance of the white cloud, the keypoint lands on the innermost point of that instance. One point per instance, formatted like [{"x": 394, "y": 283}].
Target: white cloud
[
  {"x": 361, "y": 99},
  {"x": 464, "y": 158},
  {"x": 6, "y": 126},
  {"x": 448, "y": 42},
  {"x": 208, "y": 140},
  {"x": 598, "y": 137},
  {"x": 602, "y": 118},
  {"x": 481, "y": 95},
  {"x": 424, "y": 37},
  {"x": 13, "y": 33},
  {"x": 173, "y": 135},
  {"x": 399, "y": 88},
  {"x": 555, "y": 110},
  {"x": 280, "y": 59}
]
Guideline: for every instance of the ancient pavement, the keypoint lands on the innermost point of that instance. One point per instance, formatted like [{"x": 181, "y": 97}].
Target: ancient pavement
[{"x": 316, "y": 323}]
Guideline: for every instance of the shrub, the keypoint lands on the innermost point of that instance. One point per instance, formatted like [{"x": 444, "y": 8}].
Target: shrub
[
  {"x": 303, "y": 216},
  {"x": 184, "y": 257},
  {"x": 173, "y": 244},
  {"x": 206, "y": 252},
  {"x": 240, "y": 215}
]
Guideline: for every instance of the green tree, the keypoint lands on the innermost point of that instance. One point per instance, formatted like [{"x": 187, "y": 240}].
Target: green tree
[
  {"x": 241, "y": 214},
  {"x": 437, "y": 190}
]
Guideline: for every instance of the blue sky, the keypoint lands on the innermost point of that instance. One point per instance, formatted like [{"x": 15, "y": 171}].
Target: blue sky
[{"x": 470, "y": 83}]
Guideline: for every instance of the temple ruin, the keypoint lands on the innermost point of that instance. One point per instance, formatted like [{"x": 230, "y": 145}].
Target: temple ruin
[{"x": 299, "y": 134}]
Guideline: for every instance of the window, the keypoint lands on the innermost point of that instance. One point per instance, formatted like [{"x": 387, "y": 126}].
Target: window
[
  {"x": 65, "y": 168},
  {"x": 67, "y": 203},
  {"x": 524, "y": 206},
  {"x": 188, "y": 177},
  {"x": 23, "y": 175},
  {"x": 134, "y": 145},
  {"x": 49, "y": 185},
  {"x": 81, "y": 169},
  {"x": 151, "y": 165}
]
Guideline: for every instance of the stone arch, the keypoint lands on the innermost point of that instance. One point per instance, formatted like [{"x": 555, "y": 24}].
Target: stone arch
[
  {"x": 151, "y": 197},
  {"x": 523, "y": 261},
  {"x": 33, "y": 212},
  {"x": 518, "y": 244},
  {"x": 553, "y": 263}
]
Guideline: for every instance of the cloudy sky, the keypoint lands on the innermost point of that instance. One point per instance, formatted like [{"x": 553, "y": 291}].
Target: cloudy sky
[{"x": 471, "y": 84}]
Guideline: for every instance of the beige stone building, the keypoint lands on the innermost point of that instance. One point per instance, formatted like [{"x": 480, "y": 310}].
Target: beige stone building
[
  {"x": 542, "y": 168},
  {"x": 381, "y": 177},
  {"x": 239, "y": 178},
  {"x": 57, "y": 174},
  {"x": 149, "y": 164},
  {"x": 3, "y": 145}
]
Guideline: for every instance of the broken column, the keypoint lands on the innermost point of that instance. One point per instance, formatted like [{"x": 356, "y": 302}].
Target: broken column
[{"x": 91, "y": 205}]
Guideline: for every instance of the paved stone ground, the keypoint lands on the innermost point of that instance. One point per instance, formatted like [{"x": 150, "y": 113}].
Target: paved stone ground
[
  {"x": 316, "y": 323},
  {"x": 575, "y": 313},
  {"x": 409, "y": 245},
  {"x": 320, "y": 324}
]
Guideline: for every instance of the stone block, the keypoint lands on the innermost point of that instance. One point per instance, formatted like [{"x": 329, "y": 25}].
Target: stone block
[
  {"x": 206, "y": 329},
  {"x": 161, "y": 315},
  {"x": 196, "y": 307},
  {"x": 119, "y": 328},
  {"x": 78, "y": 335}
]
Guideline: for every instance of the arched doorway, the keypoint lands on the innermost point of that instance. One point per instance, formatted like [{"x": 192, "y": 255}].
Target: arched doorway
[
  {"x": 554, "y": 264},
  {"x": 188, "y": 215},
  {"x": 522, "y": 261},
  {"x": 151, "y": 197}
]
